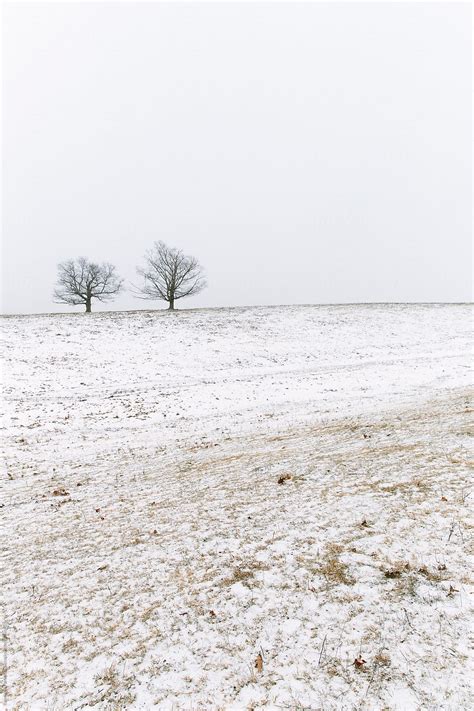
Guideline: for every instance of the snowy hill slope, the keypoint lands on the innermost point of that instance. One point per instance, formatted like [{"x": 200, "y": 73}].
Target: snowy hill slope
[{"x": 184, "y": 492}]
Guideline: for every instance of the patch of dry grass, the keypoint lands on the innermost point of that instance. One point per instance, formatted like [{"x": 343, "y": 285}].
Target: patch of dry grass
[
  {"x": 332, "y": 568},
  {"x": 245, "y": 572}
]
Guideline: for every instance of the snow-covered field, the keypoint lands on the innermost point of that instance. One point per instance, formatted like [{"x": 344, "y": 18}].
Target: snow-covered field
[{"x": 225, "y": 509}]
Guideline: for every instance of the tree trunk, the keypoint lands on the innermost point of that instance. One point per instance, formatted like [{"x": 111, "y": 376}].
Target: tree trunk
[
  {"x": 171, "y": 306},
  {"x": 88, "y": 305}
]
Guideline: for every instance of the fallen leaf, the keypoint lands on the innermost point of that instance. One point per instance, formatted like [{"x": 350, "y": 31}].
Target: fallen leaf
[
  {"x": 60, "y": 492},
  {"x": 259, "y": 663},
  {"x": 359, "y": 662}
]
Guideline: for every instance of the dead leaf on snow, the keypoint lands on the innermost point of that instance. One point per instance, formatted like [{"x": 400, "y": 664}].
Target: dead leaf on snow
[{"x": 60, "y": 492}]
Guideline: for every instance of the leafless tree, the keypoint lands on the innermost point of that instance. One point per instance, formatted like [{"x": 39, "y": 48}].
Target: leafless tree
[
  {"x": 170, "y": 275},
  {"x": 80, "y": 281}
]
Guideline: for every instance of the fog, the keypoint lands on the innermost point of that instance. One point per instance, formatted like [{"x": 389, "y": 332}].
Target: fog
[{"x": 305, "y": 153}]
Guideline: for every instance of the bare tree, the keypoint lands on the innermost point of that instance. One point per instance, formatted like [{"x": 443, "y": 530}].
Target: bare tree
[
  {"x": 169, "y": 275},
  {"x": 80, "y": 281}
]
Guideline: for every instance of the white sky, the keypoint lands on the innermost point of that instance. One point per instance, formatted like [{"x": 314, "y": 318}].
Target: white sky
[{"x": 305, "y": 153}]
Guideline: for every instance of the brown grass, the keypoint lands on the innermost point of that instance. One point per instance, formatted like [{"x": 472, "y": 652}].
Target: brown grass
[
  {"x": 244, "y": 573},
  {"x": 332, "y": 567}
]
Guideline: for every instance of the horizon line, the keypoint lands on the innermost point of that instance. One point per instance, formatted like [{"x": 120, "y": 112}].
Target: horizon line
[{"x": 252, "y": 306}]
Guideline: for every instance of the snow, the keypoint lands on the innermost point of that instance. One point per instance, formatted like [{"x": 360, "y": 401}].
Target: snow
[{"x": 149, "y": 552}]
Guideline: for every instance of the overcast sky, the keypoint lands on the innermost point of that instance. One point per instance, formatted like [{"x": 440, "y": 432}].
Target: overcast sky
[{"x": 305, "y": 153}]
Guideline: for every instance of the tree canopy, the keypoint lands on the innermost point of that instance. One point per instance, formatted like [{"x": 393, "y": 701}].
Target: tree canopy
[
  {"x": 80, "y": 281},
  {"x": 170, "y": 275}
]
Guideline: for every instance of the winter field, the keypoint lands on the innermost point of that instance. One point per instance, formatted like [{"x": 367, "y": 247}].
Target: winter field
[{"x": 237, "y": 509}]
